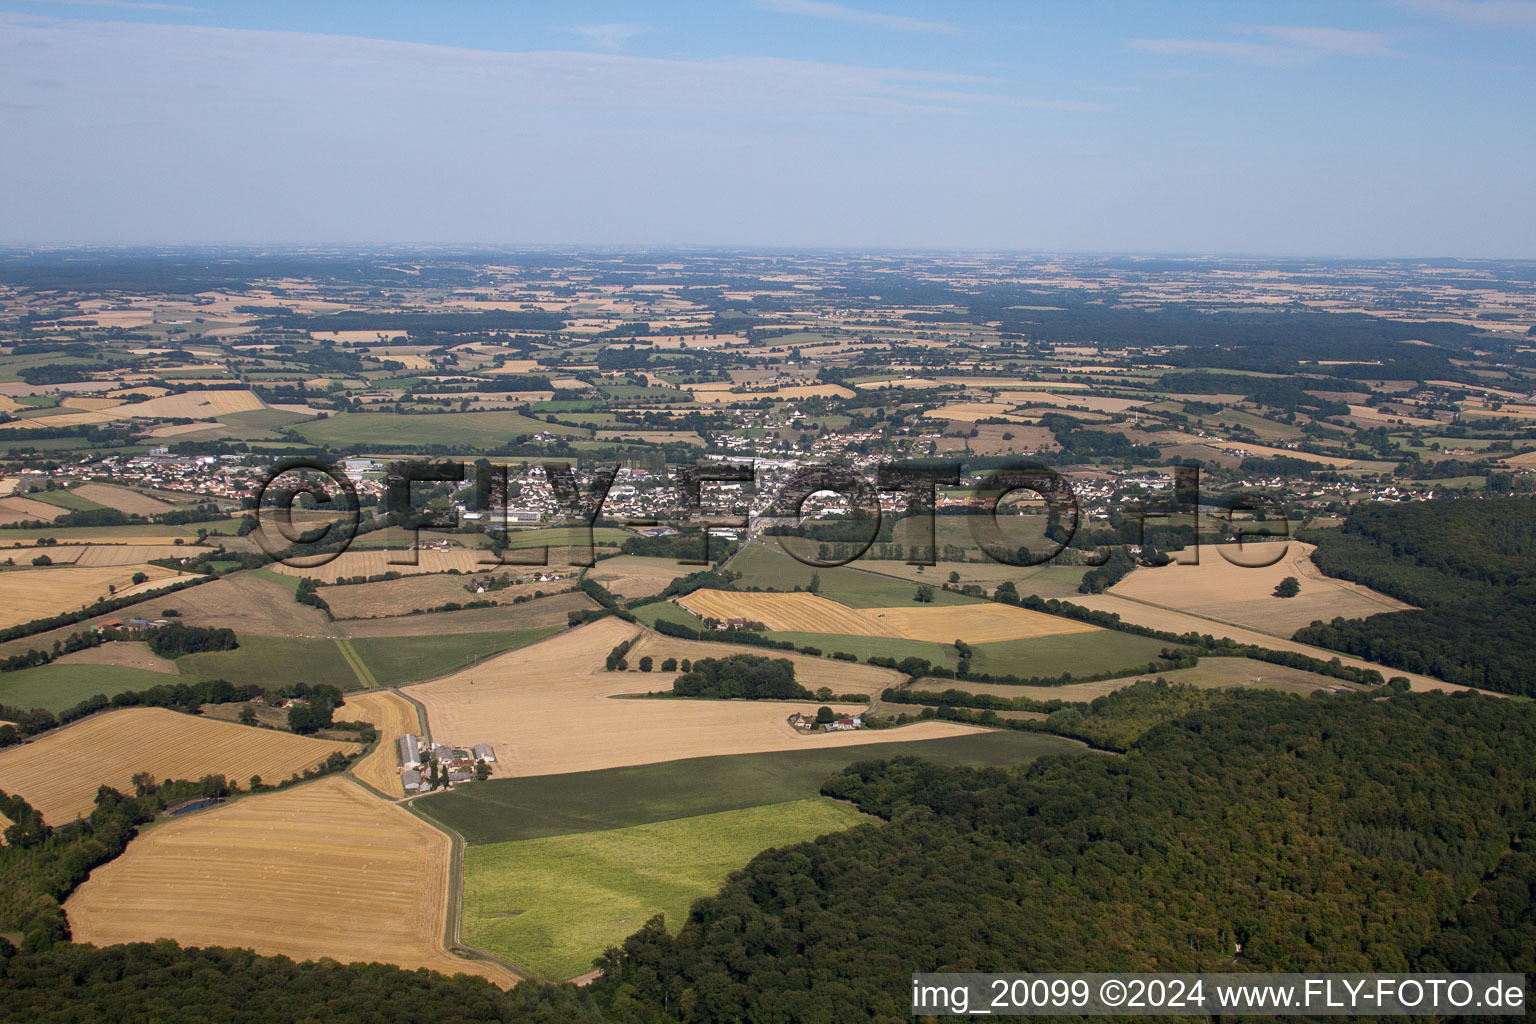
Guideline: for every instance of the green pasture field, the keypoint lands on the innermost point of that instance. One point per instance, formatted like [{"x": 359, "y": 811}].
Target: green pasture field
[
  {"x": 403, "y": 659},
  {"x": 1081, "y": 654},
  {"x": 57, "y": 687},
  {"x": 552, "y": 905},
  {"x": 865, "y": 647},
  {"x": 64, "y": 499},
  {"x": 503, "y": 810},
  {"x": 274, "y": 661},
  {"x": 763, "y": 566},
  {"x": 666, "y": 611},
  {"x": 459, "y": 429}
]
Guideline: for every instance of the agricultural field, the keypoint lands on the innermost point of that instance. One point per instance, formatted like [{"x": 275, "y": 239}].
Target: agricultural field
[
  {"x": 59, "y": 772},
  {"x": 393, "y": 716},
  {"x": 975, "y": 624},
  {"x": 1154, "y": 617},
  {"x": 502, "y": 810},
  {"x": 95, "y": 556},
  {"x": 807, "y": 613},
  {"x": 364, "y": 562},
  {"x": 632, "y": 576},
  {"x": 274, "y": 661},
  {"x": 523, "y": 703},
  {"x": 552, "y": 905},
  {"x": 28, "y": 594},
  {"x": 62, "y": 684},
  {"x": 463, "y": 430},
  {"x": 23, "y": 510},
  {"x": 324, "y": 869},
  {"x": 803, "y": 612},
  {"x": 390, "y": 660},
  {"x": 543, "y": 613},
  {"x": 123, "y": 499},
  {"x": 1059, "y": 581},
  {"x": 771, "y": 569},
  {"x": 122, "y": 653},
  {"x": 1218, "y": 589},
  {"x": 1103, "y": 650},
  {"x": 1210, "y": 674},
  {"x": 386, "y": 598}
]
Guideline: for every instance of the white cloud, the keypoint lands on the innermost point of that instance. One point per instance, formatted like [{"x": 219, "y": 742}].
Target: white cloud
[
  {"x": 1328, "y": 40},
  {"x": 1267, "y": 54},
  {"x": 129, "y": 5},
  {"x": 1292, "y": 46},
  {"x": 609, "y": 36},
  {"x": 1516, "y": 14},
  {"x": 840, "y": 12}
]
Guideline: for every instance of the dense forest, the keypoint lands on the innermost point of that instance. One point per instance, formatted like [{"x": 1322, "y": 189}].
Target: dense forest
[
  {"x": 1469, "y": 564},
  {"x": 1271, "y": 832}
]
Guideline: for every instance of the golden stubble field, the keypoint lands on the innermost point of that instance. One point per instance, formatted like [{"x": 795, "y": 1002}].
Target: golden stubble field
[
  {"x": 27, "y": 594},
  {"x": 59, "y": 772},
  {"x": 806, "y": 613},
  {"x": 1244, "y": 596},
  {"x": 974, "y": 623},
  {"x": 93, "y": 556},
  {"x": 801, "y": 613},
  {"x": 393, "y": 716},
  {"x": 123, "y": 499},
  {"x": 321, "y": 870},
  {"x": 385, "y": 598},
  {"x": 634, "y": 576},
  {"x": 550, "y": 707},
  {"x": 123, "y": 653}
]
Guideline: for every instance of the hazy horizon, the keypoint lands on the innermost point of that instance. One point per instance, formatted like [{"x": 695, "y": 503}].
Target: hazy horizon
[{"x": 1378, "y": 131}]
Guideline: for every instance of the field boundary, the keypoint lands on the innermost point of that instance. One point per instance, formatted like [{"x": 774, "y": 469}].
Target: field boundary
[
  {"x": 421, "y": 713},
  {"x": 453, "y": 940}
]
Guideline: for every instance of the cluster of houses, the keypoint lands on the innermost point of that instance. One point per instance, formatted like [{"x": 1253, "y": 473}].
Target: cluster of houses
[
  {"x": 130, "y": 625},
  {"x": 454, "y": 764},
  {"x": 808, "y": 723}
]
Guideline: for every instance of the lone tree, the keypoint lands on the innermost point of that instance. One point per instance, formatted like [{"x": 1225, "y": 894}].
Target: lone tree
[
  {"x": 1288, "y": 587},
  {"x": 824, "y": 715},
  {"x": 924, "y": 594}
]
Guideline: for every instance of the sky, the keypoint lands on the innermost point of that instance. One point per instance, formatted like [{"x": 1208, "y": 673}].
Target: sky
[{"x": 1367, "y": 128}]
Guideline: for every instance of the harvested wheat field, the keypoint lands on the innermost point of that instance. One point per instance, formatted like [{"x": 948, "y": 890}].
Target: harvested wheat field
[
  {"x": 28, "y": 594},
  {"x": 800, "y": 613},
  {"x": 21, "y": 510},
  {"x": 1218, "y": 589},
  {"x": 62, "y": 419},
  {"x": 197, "y": 405},
  {"x": 379, "y": 561},
  {"x": 94, "y": 556},
  {"x": 548, "y": 708},
  {"x": 123, "y": 499},
  {"x": 545, "y": 613},
  {"x": 1140, "y": 613},
  {"x": 248, "y": 603},
  {"x": 122, "y": 653},
  {"x": 58, "y": 773},
  {"x": 974, "y": 623},
  {"x": 970, "y": 412},
  {"x": 393, "y": 716},
  {"x": 320, "y": 870},
  {"x": 634, "y": 576},
  {"x": 384, "y": 598}
]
